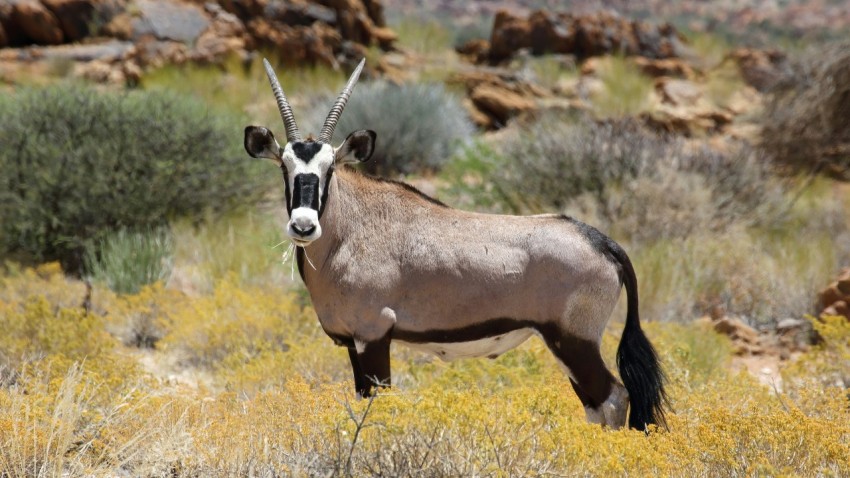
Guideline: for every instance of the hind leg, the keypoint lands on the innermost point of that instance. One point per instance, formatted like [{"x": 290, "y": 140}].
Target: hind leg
[{"x": 604, "y": 398}]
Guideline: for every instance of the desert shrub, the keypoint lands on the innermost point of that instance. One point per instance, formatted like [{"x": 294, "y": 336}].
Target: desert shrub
[
  {"x": 418, "y": 125},
  {"x": 233, "y": 326},
  {"x": 126, "y": 261},
  {"x": 642, "y": 187},
  {"x": 272, "y": 410},
  {"x": 805, "y": 123},
  {"x": 78, "y": 163}
]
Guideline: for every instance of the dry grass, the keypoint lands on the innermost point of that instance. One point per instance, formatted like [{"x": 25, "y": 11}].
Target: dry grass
[
  {"x": 626, "y": 89},
  {"x": 274, "y": 412}
]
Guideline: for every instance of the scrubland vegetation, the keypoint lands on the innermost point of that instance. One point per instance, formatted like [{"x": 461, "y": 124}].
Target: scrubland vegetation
[
  {"x": 243, "y": 381},
  {"x": 195, "y": 351}
]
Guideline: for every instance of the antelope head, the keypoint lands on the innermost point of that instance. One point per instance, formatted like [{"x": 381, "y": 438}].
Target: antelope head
[{"x": 308, "y": 164}]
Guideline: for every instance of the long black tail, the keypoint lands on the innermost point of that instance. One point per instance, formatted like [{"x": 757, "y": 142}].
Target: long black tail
[{"x": 637, "y": 360}]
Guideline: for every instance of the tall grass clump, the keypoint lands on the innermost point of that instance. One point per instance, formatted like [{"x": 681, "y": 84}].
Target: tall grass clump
[
  {"x": 78, "y": 163},
  {"x": 425, "y": 37},
  {"x": 625, "y": 89},
  {"x": 247, "y": 248},
  {"x": 126, "y": 260},
  {"x": 418, "y": 125},
  {"x": 805, "y": 123}
]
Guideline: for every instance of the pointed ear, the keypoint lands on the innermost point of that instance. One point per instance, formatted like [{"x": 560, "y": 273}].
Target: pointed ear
[
  {"x": 357, "y": 147},
  {"x": 260, "y": 143}
]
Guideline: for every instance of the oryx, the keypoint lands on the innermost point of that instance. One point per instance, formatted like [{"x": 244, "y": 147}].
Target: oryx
[{"x": 390, "y": 263}]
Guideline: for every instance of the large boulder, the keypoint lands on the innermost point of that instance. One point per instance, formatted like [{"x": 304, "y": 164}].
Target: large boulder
[
  {"x": 496, "y": 96},
  {"x": 76, "y": 17},
  {"x": 166, "y": 20},
  {"x": 36, "y": 22}
]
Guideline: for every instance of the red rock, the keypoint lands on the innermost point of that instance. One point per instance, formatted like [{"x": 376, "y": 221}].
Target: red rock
[
  {"x": 475, "y": 50},
  {"x": 500, "y": 103},
  {"x": 677, "y": 92},
  {"x": 37, "y": 22},
  {"x": 75, "y": 16},
  {"x": 584, "y": 36},
  {"x": 830, "y": 295},
  {"x": 670, "y": 67}
]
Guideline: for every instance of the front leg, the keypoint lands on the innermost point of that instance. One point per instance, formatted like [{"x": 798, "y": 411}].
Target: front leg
[
  {"x": 373, "y": 358},
  {"x": 359, "y": 379}
]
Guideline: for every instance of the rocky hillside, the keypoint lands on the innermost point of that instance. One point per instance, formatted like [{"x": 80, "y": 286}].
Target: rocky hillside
[{"x": 116, "y": 40}]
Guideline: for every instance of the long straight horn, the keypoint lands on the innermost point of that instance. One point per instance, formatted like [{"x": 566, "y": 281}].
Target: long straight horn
[
  {"x": 292, "y": 133},
  {"x": 336, "y": 110}
]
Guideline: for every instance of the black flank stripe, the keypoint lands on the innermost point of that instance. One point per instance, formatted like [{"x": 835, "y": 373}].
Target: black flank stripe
[{"x": 486, "y": 329}]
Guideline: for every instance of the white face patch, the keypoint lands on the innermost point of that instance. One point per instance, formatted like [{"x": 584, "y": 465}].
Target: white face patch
[{"x": 307, "y": 166}]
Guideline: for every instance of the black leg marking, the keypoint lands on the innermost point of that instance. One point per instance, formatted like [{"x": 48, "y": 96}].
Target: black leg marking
[
  {"x": 359, "y": 378},
  {"x": 375, "y": 364},
  {"x": 590, "y": 378}
]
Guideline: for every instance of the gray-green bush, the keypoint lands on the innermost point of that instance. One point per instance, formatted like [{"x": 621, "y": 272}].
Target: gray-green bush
[
  {"x": 643, "y": 187},
  {"x": 77, "y": 163},
  {"x": 418, "y": 125},
  {"x": 126, "y": 260}
]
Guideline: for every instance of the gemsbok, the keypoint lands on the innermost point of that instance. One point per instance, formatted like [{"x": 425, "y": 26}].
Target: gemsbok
[{"x": 387, "y": 262}]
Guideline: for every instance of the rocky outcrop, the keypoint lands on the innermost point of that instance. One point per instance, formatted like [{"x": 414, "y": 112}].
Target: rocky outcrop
[
  {"x": 175, "y": 31},
  {"x": 496, "y": 96},
  {"x": 745, "y": 339},
  {"x": 835, "y": 298},
  {"x": 584, "y": 36}
]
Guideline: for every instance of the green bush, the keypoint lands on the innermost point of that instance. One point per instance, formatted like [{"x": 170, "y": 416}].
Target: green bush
[
  {"x": 126, "y": 261},
  {"x": 77, "y": 163},
  {"x": 418, "y": 125}
]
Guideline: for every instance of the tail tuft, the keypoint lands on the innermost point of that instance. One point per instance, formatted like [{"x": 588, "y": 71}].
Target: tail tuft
[{"x": 637, "y": 360}]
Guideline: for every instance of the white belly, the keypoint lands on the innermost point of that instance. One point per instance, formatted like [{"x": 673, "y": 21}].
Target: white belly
[{"x": 489, "y": 347}]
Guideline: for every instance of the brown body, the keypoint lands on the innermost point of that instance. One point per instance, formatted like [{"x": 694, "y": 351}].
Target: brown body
[{"x": 392, "y": 264}]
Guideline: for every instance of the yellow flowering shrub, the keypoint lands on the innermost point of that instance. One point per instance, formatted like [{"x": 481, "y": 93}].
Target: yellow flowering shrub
[{"x": 280, "y": 400}]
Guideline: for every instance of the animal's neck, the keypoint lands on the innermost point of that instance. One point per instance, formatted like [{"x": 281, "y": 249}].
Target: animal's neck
[{"x": 336, "y": 225}]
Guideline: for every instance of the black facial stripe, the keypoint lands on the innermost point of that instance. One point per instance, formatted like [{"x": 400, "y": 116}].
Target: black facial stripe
[
  {"x": 324, "y": 201},
  {"x": 305, "y": 151},
  {"x": 288, "y": 192},
  {"x": 306, "y": 191}
]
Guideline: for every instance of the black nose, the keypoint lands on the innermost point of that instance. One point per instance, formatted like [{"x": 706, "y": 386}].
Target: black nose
[{"x": 303, "y": 232}]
